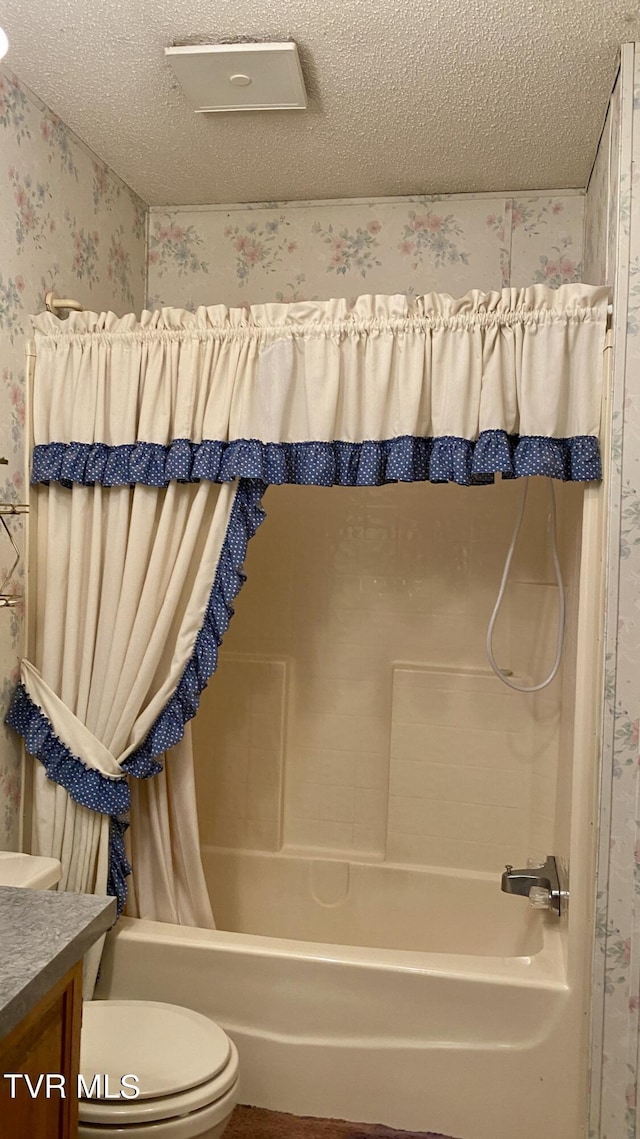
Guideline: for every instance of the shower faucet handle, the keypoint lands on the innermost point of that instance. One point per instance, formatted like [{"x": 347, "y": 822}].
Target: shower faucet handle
[{"x": 540, "y": 898}]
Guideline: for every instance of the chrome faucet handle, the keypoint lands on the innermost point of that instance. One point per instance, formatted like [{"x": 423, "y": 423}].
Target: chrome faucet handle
[{"x": 540, "y": 898}]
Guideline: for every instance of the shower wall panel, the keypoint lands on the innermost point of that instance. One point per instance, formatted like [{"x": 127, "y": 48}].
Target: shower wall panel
[
  {"x": 398, "y": 741},
  {"x": 461, "y": 762},
  {"x": 238, "y": 738},
  {"x": 556, "y": 705}
]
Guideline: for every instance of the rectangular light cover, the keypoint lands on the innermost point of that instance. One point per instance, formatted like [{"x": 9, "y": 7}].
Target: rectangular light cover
[{"x": 240, "y": 77}]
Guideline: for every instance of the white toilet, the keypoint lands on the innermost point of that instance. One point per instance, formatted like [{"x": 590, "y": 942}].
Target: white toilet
[{"x": 187, "y": 1071}]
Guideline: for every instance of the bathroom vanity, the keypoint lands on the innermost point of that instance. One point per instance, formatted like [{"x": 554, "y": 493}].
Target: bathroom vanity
[{"x": 43, "y": 937}]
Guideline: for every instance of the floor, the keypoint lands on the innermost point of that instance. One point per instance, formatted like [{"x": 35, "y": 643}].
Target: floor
[{"x": 257, "y": 1123}]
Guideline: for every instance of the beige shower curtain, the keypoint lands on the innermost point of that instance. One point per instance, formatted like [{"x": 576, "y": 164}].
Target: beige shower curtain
[
  {"x": 124, "y": 576},
  {"x": 167, "y": 882}
]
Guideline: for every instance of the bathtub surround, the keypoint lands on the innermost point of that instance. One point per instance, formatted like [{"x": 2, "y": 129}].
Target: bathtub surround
[
  {"x": 359, "y": 630},
  {"x": 373, "y": 641},
  {"x": 256, "y": 1123}
]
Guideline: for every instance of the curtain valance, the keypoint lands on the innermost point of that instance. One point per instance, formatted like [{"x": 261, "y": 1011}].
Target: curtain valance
[{"x": 376, "y": 390}]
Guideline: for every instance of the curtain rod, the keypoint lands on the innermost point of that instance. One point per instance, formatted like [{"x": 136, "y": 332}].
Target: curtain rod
[{"x": 53, "y": 303}]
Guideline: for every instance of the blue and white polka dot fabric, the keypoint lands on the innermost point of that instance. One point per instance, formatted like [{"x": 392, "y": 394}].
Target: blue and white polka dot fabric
[{"x": 406, "y": 458}]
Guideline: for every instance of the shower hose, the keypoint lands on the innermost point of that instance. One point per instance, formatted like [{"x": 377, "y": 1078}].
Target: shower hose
[{"x": 503, "y": 584}]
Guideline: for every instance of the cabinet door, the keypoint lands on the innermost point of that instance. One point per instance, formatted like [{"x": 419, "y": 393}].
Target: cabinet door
[{"x": 47, "y": 1041}]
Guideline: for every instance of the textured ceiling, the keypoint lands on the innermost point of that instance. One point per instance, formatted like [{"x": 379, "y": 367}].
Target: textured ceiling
[{"x": 405, "y": 98}]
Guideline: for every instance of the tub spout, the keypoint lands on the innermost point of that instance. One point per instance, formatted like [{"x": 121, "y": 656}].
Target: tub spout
[
  {"x": 521, "y": 881},
  {"x": 541, "y": 884}
]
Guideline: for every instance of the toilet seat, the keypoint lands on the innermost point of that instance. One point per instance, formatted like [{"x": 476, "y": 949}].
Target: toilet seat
[{"x": 184, "y": 1061}]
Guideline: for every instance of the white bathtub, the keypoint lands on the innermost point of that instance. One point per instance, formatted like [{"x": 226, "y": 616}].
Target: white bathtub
[{"x": 460, "y": 1021}]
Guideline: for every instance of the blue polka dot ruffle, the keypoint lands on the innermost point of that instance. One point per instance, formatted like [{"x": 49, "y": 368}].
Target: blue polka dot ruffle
[
  {"x": 119, "y": 866},
  {"x": 406, "y": 458},
  {"x": 85, "y": 785}
]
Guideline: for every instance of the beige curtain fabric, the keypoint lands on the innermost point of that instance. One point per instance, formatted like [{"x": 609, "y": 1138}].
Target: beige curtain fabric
[
  {"x": 79, "y": 838},
  {"x": 124, "y": 577},
  {"x": 525, "y": 361},
  {"x": 167, "y": 883},
  {"x": 123, "y": 581}
]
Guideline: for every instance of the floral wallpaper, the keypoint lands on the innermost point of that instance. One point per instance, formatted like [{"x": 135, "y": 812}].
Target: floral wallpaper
[
  {"x": 317, "y": 250},
  {"x": 616, "y": 986},
  {"x": 68, "y": 224}
]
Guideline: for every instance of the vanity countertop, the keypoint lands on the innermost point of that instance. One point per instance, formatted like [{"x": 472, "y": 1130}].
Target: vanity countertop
[{"x": 42, "y": 935}]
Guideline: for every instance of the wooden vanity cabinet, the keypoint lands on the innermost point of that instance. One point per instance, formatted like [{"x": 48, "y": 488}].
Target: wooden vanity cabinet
[{"x": 47, "y": 1040}]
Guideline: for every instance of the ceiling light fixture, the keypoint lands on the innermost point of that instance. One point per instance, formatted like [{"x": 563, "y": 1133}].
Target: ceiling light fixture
[{"x": 4, "y": 43}]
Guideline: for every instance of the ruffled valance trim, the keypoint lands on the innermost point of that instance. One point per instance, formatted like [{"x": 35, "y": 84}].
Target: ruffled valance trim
[
  {"x": 112, "y": 797},
  {"x": 405, "y": 458}
]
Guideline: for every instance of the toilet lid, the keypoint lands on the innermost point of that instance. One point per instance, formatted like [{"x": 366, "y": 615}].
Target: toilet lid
[{"x": 169, "y": 1048}]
